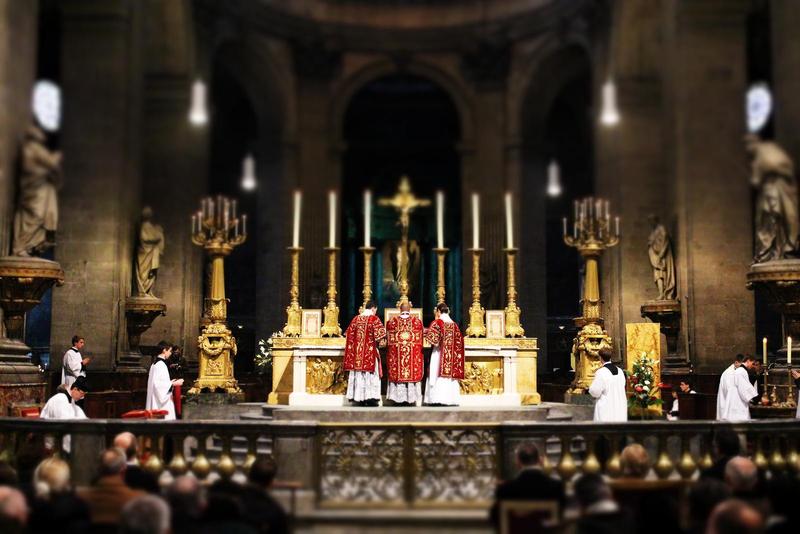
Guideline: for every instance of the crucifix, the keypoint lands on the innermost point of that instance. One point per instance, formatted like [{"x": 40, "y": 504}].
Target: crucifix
[{"x": 404, "y": 202}]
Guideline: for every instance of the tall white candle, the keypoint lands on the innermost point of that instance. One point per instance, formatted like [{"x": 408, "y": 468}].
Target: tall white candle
[
  {"x": 789, "y": 351},
  {"x": 332, "y": 219},
  {"x": 564, "y": 220},
  {"x": 509, "y": 223},
  {"x": 616, "y": 225},
  {"x": 765, "y": 351},
  {"x": 367, "y": 217},
  {"x": 194, "y": 223},
  {"x": 244, "y": 224},
  {"x": 298, "y": 200},
  {"x": 475, "y": 220},
  {"x": 440, "y": 219}
]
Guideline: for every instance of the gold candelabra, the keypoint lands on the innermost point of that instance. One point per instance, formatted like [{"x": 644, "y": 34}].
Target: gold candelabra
[
  {"x": 591, "y": 235},
  {"x": 330, "y": 323},
  {"x": 477, "y": 315},
  {"x": 441, "y": 289},
  {"x": 790, "y": 400},
  {"x": 293, "y": 311},
  {"x": 512, "y": 311},
  {"x": 215, "y": 227},
  {"x": 367, "y": 291}
]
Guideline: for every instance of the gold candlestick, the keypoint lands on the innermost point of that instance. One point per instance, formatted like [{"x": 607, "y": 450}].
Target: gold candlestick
[
  {"x": 441, "y": 289},
  {"x": 216, "y": 228},
  {"x": 512, "y": 311},
  {"x": 790, "y": 400},
  {"x": 293, "y": 311},
  {"x": 330, "y": 323},
  {"x": 765, "y": 396},
  {"x": 477, "y": 323},
  {"x": 367, "y": 291}
]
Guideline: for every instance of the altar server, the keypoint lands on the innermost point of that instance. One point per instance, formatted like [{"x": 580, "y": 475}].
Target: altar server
[
  {"x": 362, "y": 360},
  {"x": 63, "y": 405},
  {"x": 735, "y": 392},
  {"x": 159, "y": 384},
  {"x": 73, "y": 363},
  {"x": 404, "y": 334},
  {"x": 447, "y": 359},
  {"x": 608, "y": 387}
]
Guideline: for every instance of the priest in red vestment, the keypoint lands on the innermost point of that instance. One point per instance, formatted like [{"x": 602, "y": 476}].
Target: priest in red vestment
[
  {"x": 404, "y": 334},
  {"x": 447, "y": 359},
  {"x": 361, "y": 357}
]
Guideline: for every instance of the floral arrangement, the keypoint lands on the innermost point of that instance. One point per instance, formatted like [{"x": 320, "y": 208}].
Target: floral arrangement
[
  {"x": 263, "y": 359},
  {"x": 643, "y": 386}
]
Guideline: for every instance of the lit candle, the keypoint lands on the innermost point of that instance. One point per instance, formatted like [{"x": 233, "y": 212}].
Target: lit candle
[
  {"x": 575, "y": 229},
  {"x": 616, "y": 225},
  {"x": 194, "y": 223},
  {"x": 298, "y": 199},
  {"x": 225, "y": 213},
  {"x": 367, "y": 217},
  {"x": 211, "y": 217},
  {"x": 764, "y": 342},
  {"x": 509, "y": 223},
  {"x": 564, "y": 220},
  {"x": 332, "y": 219},
  {"x": 789, "y": 351},
  {"x": 244, "y": 224},
  {"x": 440, "y": 219},
  {"x": 475, "y": 220},
  {"x": 236, "y": 229},
  {"x": 577, "y": 211}
]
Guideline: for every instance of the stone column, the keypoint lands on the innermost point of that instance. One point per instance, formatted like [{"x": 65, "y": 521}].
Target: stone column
[
  {"x": 100, "y": 198},
  {"x": 705, "y": 51},
  {"x": 785, "y": 18}
]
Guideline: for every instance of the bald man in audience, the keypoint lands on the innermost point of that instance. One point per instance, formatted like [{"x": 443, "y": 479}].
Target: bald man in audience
[
  {"x": 734, "y": 516},
  {"x": 135, "y": 476},
  {"x": 13, "y": 511},
  {"x": 109, "y": 494}
]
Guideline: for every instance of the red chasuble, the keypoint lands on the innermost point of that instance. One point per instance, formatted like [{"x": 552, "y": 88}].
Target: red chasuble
[
  {"x": 361, "y": 347},
  {"x": 451, "y": 348},
  {"x": 405, "y": 349}
]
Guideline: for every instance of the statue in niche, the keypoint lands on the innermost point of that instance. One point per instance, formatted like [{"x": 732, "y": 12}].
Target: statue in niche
[
  {"x": 36, "y": 217},
  {"x": 662, "y": 260},
  {"x": 776, "y": 218},
  {"x": 148, "y": 253}
]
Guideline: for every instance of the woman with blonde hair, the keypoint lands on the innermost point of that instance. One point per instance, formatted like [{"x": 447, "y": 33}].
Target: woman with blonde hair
[{"x": 56, "y": 507}]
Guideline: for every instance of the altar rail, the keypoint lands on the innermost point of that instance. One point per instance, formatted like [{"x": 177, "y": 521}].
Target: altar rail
[{"x": 402, "y": 464}]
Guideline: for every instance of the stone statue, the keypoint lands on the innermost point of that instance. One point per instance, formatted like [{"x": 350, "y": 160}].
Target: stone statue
[
  {"x": 776, "y": 218},
  {"x": 662, "y": 260},
  {"x": 36, "y": 218},
  {"x": 148, "y": 253}
]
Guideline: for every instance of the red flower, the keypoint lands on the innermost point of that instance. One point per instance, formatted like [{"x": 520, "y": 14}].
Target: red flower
[
  {"x": 634, "y": 379},
  {"x": 639, "y": 389}
]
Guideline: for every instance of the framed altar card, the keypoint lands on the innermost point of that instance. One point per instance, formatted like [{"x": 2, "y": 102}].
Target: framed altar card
[
  {"x": 388, "y": 313},
  {"x": 312, "y": 323},
  {"x": 495, "y": 324}
]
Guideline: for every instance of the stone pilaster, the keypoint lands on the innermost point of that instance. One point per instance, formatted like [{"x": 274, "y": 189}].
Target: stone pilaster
[{"x": 101, "y": 79}]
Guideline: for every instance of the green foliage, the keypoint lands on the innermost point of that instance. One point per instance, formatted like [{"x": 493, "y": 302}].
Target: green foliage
[{"x": 642, "y": 384}]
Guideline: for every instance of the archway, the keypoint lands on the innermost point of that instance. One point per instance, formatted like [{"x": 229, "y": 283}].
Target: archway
[{"x": 395, "y": 125}]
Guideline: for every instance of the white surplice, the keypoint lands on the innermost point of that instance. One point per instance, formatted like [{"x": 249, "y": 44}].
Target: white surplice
[
  {"x": 61, "y": 406},
  {"x": 364, "y": 385},
  {"x": 72, "y": 366},
  {"x": 734, "y": 395},
  {"x": 159, "y": 388},
  {"x": 441, "y": 390},
  {"x": 609, "y": 390}
]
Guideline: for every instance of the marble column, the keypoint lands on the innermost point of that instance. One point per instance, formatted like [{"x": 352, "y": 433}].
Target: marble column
[
  {"x": 705, "y": 58},
  {"x": 102, "y": 85}
]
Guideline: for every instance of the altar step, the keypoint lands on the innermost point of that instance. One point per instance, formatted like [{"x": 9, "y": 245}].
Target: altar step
[{"x": 371, "y": 521}]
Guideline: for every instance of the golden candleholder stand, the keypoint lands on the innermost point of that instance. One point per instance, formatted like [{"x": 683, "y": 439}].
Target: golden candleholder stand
[
  {"x": 216, "y": 228},
  {"x": 441, "y": 288},
  {"x": 366, "y": 292},
  {"x": 330, "y": 323},
  {"x": 294, "y": 313},
  {"x": 512, "y": 311},
  {"x": 477, "y": 315}
]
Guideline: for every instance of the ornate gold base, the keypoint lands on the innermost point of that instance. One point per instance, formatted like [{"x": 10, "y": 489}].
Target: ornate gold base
[
  {"x": 477, "y": 322},
  {"x": 513, "y": 325},
  {"x": 294, "y": 318},
  {"x": 585, "y": 355},
  {"x": 330, "y": 324},
  {"x": 216, "y": 350}
]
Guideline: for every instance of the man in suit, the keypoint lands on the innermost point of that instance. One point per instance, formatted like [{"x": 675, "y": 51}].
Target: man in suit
[
  {"x": 600, "y": 513},
  {"x": 135, "y": 476},
  {"x": 531, "y": 484},
  {"x": 109, "y": 494}
]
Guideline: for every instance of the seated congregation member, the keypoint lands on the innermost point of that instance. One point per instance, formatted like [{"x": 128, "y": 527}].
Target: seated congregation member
[
  {"x": 135, "y": 476},
  {"x": 55, "y": 506},
  {"x": 735, "y": 517},
  {"x": 608, "y": 387},
  {"x": 531, "y": 484},
  {"x": 704, "y": 495},
  {"x": 187, "y": 500},
  {"x": 447, "y": 359},
  {"x": 109, "y": 494},
  {"x": 635, "y": 462},
  {"x": 599, "y": 512},
  {"x": 146, "y": 515},
  {"x": 63, "y": 405},
  {"x": 159, "y": 384},
  {"x": 404, "y": 357},
  {"x": 726, "y": 445},
  {"x": 362, "y": 361},
  {"x": 260, "y": 507},
  {"x": 14, "y": 511}
]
